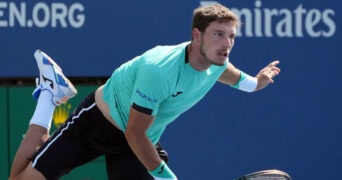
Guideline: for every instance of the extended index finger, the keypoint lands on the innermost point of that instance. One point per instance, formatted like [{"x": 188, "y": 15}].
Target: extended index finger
[{"x": 274, "y": 63}]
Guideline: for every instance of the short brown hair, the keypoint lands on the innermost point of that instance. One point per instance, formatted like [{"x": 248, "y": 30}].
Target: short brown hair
[{"x": 203, "y": 16}]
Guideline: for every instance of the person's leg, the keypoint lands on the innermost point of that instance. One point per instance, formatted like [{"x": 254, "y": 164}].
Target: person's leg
[
  {"x": 70, "y": 146},
  {"x": 36, "y": 134},
  {"x": 53, "y": 88}
]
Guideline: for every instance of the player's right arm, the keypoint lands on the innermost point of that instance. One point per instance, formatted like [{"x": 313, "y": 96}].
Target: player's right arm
[{"x": 138, "y": 123}]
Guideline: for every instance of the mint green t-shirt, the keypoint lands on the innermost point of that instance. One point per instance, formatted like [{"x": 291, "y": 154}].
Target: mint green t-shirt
[{"x": 160, "y": 80}]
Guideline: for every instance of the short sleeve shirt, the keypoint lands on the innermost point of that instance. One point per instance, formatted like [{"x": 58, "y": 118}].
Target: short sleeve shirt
[{"x": 162, "y": 82}]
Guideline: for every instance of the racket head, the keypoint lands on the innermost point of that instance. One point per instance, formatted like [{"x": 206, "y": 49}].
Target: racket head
[{"x": 272, "y": 174}]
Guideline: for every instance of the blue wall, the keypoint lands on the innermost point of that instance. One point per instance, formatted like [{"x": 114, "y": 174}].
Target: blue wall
[{"x": 293, "y": 125}]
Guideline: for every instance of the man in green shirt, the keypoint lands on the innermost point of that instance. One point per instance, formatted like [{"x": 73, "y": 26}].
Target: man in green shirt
[{"x": 128, "y": 114}]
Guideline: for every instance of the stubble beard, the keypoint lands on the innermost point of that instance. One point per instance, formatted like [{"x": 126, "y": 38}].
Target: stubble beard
[{"x": 205, "y": 57}]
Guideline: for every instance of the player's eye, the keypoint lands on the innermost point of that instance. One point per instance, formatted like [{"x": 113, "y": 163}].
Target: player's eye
[{"x": 219, "y": 35}]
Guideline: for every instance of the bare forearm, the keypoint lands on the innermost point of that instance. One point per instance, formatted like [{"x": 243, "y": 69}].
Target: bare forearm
[
  {"x": 144, "y": 150},
  {"x": 142, "y": 146}
]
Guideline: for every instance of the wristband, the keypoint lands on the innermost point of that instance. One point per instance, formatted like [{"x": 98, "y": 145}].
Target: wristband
[
  {"x": 163, "y": 172},
  {"x": 246, "y": 83}
]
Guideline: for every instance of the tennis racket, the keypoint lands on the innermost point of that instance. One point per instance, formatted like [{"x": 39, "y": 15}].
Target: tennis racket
[{"x": 266, "y": 175}]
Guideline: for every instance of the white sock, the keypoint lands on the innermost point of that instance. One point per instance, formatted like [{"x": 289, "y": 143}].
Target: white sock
[{"x": 43, "y": 114}]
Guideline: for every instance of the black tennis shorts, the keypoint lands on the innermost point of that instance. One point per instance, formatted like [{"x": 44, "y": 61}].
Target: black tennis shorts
[{"x": 86, "y": 135}]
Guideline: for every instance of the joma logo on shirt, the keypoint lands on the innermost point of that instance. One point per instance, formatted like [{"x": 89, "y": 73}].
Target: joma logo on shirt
[{"x": 144, "y": 96}]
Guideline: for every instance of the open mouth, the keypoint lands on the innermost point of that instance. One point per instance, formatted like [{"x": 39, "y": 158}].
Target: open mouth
[{"x": 224, "y": 54}]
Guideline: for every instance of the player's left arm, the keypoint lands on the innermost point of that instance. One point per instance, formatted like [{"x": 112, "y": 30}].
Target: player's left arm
[{"x": 236, "y": 78}]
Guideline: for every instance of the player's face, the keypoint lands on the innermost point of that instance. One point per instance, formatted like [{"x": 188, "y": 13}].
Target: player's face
[{"x": 217, "y": 41}]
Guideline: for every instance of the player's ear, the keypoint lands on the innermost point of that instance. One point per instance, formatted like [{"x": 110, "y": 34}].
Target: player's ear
[{"x": 196, "y": 34}]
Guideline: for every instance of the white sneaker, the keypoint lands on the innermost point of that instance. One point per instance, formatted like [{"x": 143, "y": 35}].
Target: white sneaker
[{"x": 51, "y": 78}]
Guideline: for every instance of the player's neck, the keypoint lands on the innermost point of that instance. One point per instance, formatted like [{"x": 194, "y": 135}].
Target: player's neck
[{"x": 196, "y": 59}]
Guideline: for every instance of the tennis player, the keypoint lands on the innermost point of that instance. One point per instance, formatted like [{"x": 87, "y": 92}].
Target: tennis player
[{"x": 126, "y": 116}]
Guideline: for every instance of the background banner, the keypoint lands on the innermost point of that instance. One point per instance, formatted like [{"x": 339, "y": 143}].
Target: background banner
[{"x": 293, "y": 125}]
